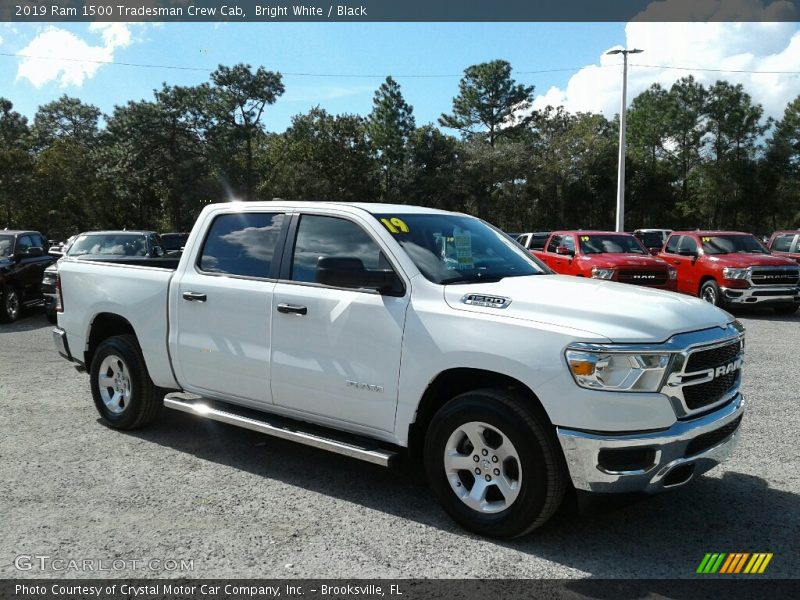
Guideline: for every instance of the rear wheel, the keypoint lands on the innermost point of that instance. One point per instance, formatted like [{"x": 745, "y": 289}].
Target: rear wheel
[
  {"x": 710, "y": 292},
  {"x": 122, "y": 390},
  {"x": 494, "y": 464},
  {"x": 11, "y": 306}
]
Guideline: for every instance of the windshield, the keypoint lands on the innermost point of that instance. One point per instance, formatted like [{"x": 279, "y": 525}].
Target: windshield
[
  {"x": 450, "y": 248},
  {"x": 652, "y": 239},
  {"x": 99, "y": 244},
  {"x": 611, "y": 244},
  {"x": 6, "y": 245},
  {"x": 732, "y": 244},
  {"x": 174, "y": 241}
]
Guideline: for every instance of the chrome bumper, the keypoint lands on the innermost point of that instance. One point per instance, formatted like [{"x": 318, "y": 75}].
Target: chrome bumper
[
  {"x": 60, "y": 342},
  {"x": 761, "y": 294},
  {"x": 670, "y": 466}
]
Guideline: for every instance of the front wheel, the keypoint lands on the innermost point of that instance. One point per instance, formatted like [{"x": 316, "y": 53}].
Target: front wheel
[
  {"x": 710, "y": 292},
  {"x": 493, "y": 463},
  {"x": 122, "y": 390},
  {"x": 10, "y": 306}
]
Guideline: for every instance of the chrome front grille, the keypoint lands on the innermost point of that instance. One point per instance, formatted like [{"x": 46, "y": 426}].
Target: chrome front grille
[
  {"x": 774, "y": 275},
  {"x": 704, "y": 377}
]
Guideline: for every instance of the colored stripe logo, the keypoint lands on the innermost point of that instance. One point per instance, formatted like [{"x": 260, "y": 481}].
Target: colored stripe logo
[{"x": 734, "y": 563}]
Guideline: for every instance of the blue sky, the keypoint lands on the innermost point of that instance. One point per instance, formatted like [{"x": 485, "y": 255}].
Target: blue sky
[{"x": 391, "y": 48}]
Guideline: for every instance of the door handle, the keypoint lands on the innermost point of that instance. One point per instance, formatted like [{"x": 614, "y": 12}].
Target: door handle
[
  {"x": 676, "y": 262},
  {"x": 194, "y": 296},
  {"x": 292, "y": 309}
]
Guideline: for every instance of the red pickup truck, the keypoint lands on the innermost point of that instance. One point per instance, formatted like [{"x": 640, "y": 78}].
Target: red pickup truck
[
  {"x": 730, "y": 268},
  {"x": 786, "y": 243},
  {"x": 606, "y": 255}
]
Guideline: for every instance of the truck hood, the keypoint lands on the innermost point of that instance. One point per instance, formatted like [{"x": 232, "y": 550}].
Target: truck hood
[
  {"x": 616, "y": 311},
  {"x": 607, "y": 261},
  {"x": 741, "y": 261}
]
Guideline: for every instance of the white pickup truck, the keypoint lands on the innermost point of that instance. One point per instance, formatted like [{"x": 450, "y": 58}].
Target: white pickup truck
[{"x": 373, "y": 330}]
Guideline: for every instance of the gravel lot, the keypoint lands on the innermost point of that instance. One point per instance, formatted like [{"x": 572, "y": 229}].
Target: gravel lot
[{"x": 244, "y": 505}]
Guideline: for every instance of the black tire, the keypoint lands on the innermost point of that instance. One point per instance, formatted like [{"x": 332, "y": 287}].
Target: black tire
[
  {"x": 787, "y": 309},
  {"x": 711, "y": 293},
  {"x": 142, "y": 401},
  {"x": 10, "y": 305},
  {"x": 544, "y": 476}
]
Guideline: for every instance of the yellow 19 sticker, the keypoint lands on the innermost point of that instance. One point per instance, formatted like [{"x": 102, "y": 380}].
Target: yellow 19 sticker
[
  {"x": 584, "y": 238},
  {"x": 706, "y": 239},
  {"x": 395, "y": 225}
]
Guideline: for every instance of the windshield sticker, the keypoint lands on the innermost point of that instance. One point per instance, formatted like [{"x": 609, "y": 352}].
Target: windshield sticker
[
  {"x": 395, "y": 225},
  {"x": 463, "y": 244},
  {"x": 584, "y": 238},
  {"x": 706, "y": 240}
]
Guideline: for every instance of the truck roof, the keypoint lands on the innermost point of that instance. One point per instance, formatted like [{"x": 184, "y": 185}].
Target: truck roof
[
  {"x": 117, "y": 232},
  {"x": 17, "y": 231},
  {"x": 591, "y": 232},
  {"x": 710, "y": 232},
  {"x": 370, "y": 207}
]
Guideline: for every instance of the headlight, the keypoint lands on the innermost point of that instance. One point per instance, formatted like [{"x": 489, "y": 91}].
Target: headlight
[
  {"x": 602, "y": 273},
  {"x": 729, "y": 273},
  {"x": 620, "y": 372},
  {"x": 673, "y": 273}
]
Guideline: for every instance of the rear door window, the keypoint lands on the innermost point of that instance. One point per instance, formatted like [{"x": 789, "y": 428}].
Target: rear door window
[{"x": 242, "y": 244}]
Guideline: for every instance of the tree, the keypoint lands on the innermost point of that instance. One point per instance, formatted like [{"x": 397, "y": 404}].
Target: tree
[
  {"x": 734, "y": 125},
  {"x": 490, "y": 101},
  {"x": 781, "y": 200},
  {"x": 389, "y": 125},
  {"x": 237, "y": 100},
  {"x": 322, "y": 157},
  {"x": 66, "y": 118},
  {"x": 16, "y": 162}
]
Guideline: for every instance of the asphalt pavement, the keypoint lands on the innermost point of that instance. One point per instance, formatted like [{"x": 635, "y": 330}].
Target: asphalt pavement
[{"x": 188, "y": 498}]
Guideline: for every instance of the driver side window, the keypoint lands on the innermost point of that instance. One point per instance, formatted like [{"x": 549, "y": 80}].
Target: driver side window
[
  {"x": 687, "y": 244},
  {"x": 329, "y": 237}
]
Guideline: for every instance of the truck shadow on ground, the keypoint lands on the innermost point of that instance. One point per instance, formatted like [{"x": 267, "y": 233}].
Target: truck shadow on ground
[
  {"x": 636, "y": 536},
  {"x": 761, "y": 313}
]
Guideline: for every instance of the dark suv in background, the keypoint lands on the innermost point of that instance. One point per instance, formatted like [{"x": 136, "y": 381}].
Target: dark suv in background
[{"x": 23, "y": 259}]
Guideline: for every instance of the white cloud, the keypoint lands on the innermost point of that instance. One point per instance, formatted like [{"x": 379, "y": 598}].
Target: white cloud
[
  {"x": 58, "y": 55},
  {"x": 742, "y": 46}
]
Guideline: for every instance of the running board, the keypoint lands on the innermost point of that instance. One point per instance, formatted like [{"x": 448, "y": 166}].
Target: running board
[{"x": 279, "y": 427}]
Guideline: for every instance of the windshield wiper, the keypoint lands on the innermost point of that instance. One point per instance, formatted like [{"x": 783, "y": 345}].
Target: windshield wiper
[{"x": 473, "y": 279}]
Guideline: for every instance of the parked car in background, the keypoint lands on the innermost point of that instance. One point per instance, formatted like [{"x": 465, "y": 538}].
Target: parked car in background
[
  {"x": 653, "y": 239},
  {"x": 23, "y": 259},
  {"x": 534, "y": 240},
  {"x": 731, "y": 267},
  {"x": 105, "y": 246},
  {"x": 786, "y": 244},
  {"x": 174, "y": 242},
  {"x": 606, "y": 255}
]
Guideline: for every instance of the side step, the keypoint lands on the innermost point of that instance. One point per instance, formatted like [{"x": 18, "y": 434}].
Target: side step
[{"x": 295, "y": 431}]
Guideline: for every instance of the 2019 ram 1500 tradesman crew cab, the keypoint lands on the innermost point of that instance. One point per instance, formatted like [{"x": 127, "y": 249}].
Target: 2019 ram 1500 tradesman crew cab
[
  {"x": 728, "y": 268},
  {"x": 366, "y": 329},
  {"x": 605, "y": 255}
]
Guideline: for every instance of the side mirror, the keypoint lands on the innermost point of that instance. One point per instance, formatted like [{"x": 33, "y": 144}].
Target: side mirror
[
  {"x": 349, "y": 272},
  {"x": 655, "y": 251},
  {"x": 563, "y": 250},
  {"x": 157, "y": 252}
]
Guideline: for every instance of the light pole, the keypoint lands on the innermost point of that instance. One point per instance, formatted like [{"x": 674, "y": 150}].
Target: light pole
[{"x": 621, "y": 167}]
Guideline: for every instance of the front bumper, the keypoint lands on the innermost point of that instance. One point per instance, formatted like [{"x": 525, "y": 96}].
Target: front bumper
[
  {"x": 668, "y": 458},
  {"x": 762, "y": 294}
]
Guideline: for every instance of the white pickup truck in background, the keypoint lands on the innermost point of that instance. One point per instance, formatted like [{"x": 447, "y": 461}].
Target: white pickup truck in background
[{"x": 372, "y": 329}]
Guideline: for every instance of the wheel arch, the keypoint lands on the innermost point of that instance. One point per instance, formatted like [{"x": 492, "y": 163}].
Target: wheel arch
[
  {"x": 103, "y": 326},
  {"x": 450, "y": 383},
  {"x": 703, "y": 280}
]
